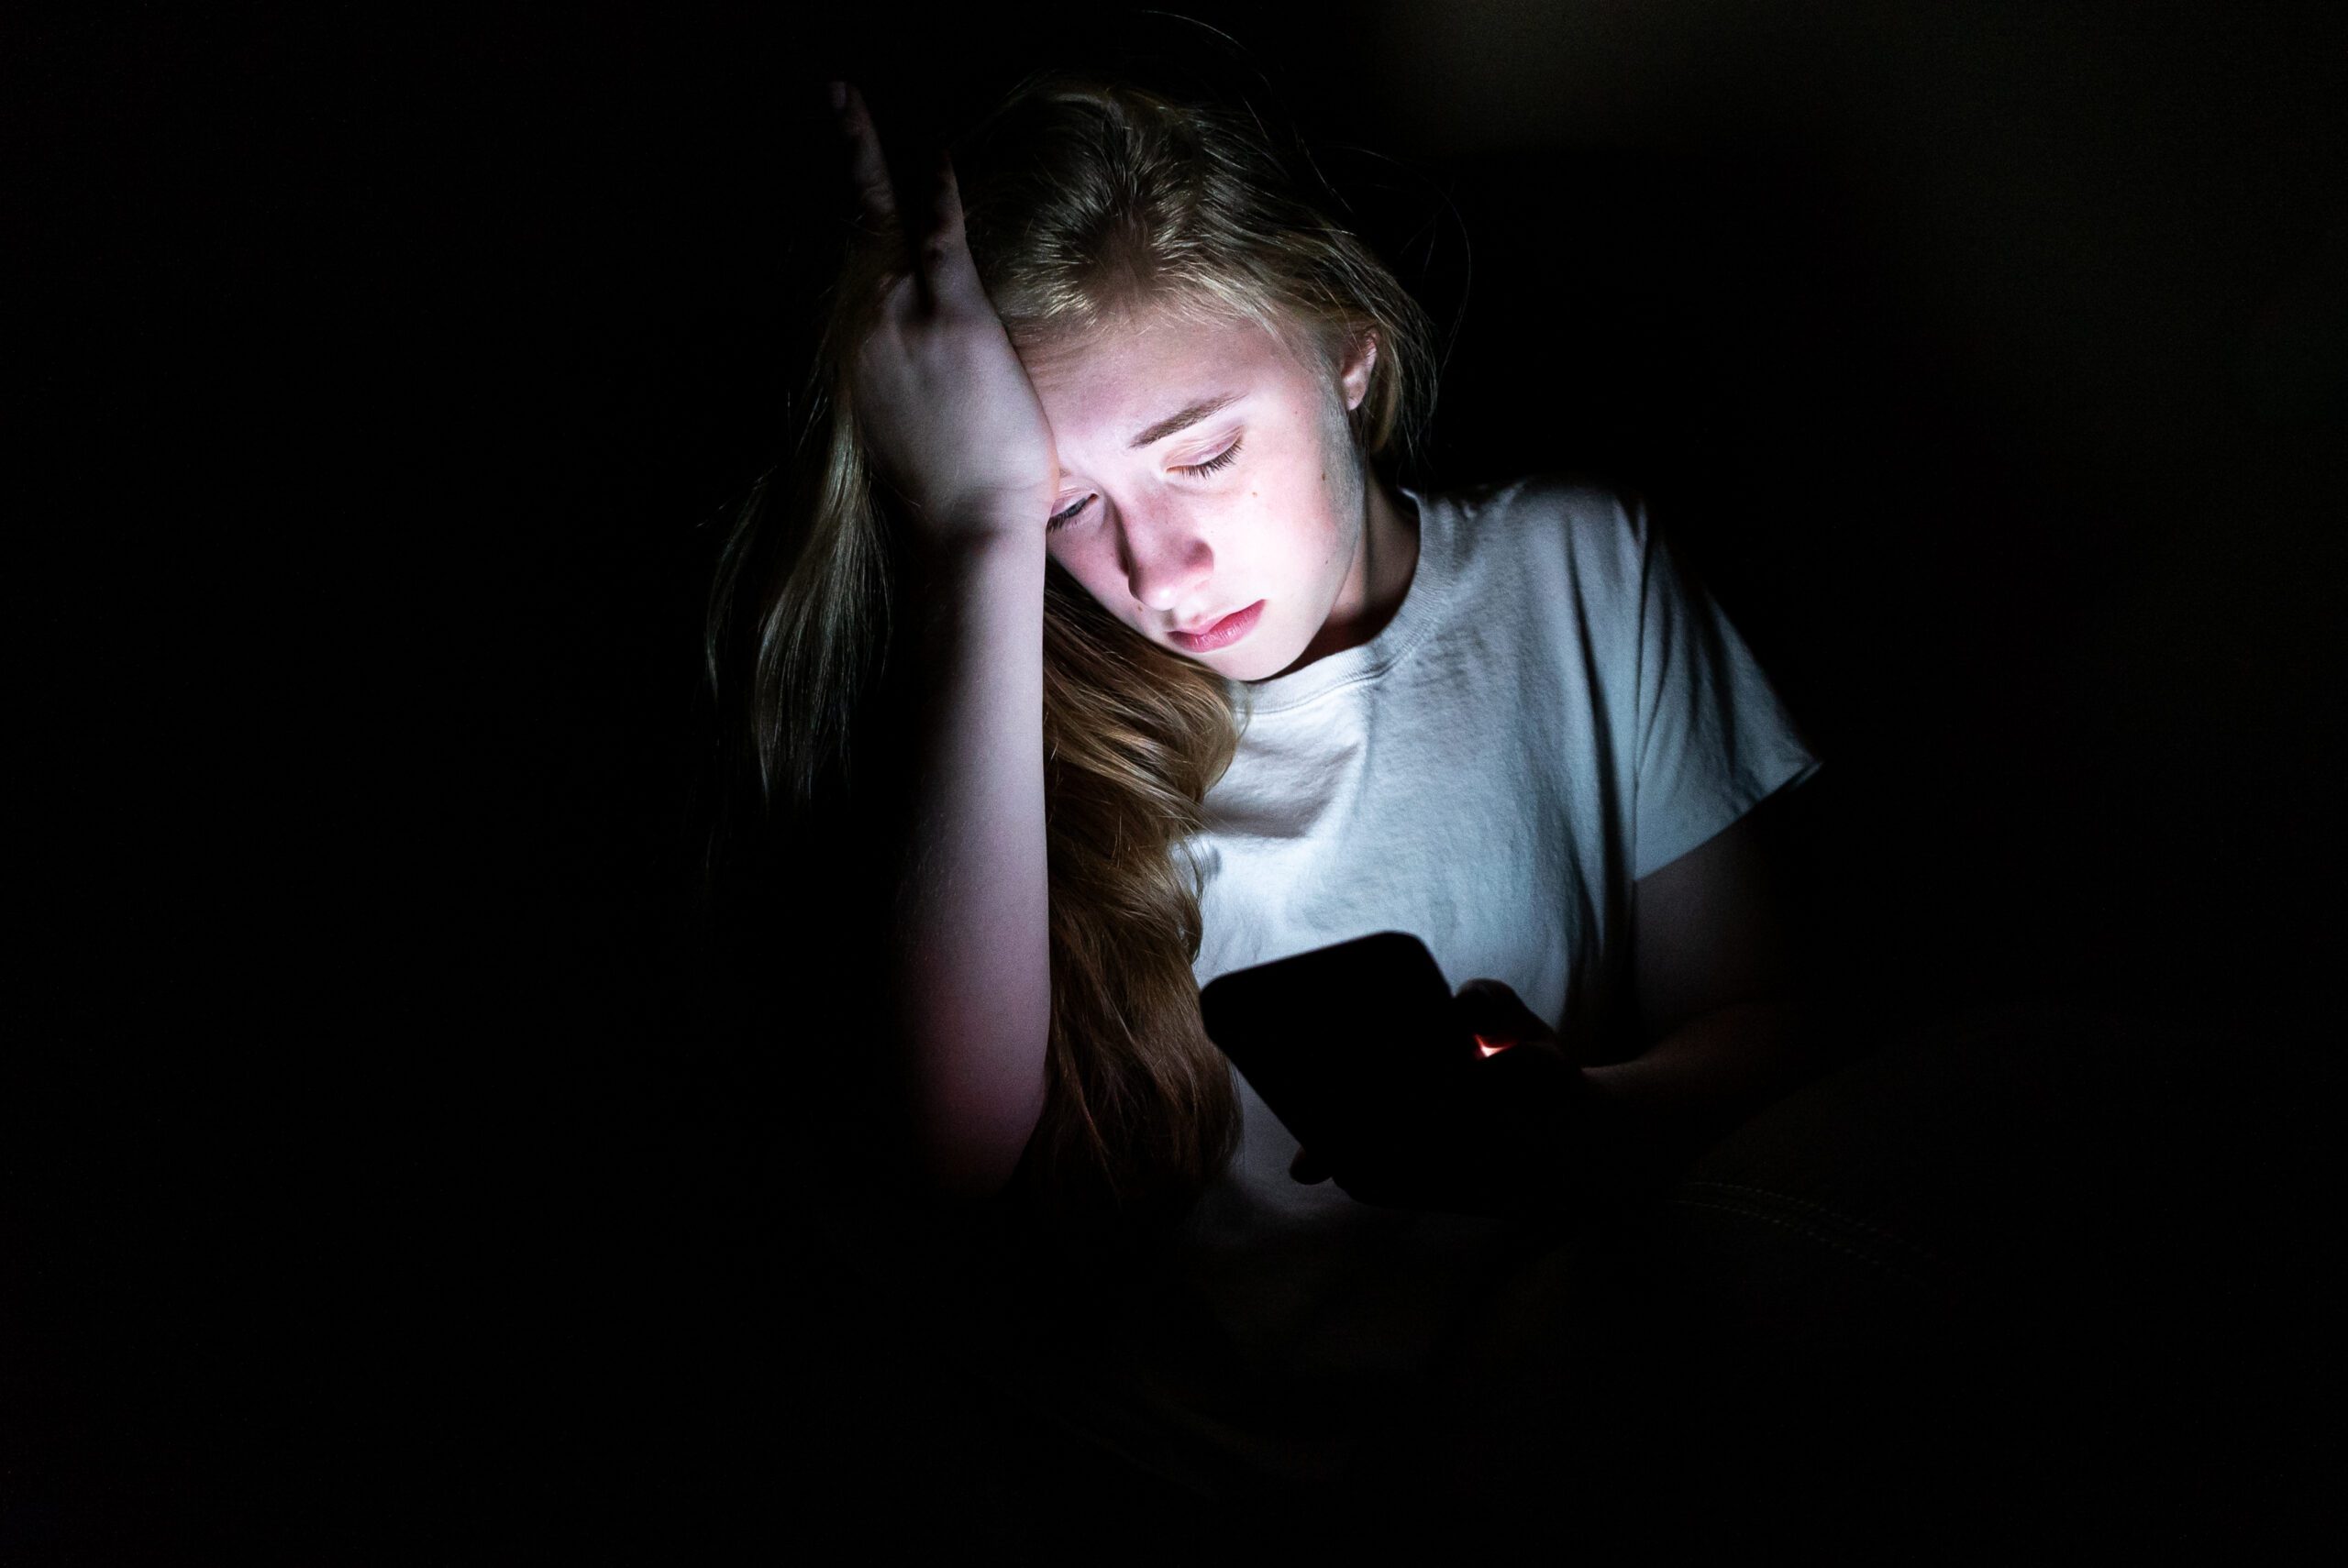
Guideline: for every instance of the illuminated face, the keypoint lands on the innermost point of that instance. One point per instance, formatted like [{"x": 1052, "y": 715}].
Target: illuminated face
[{"x": 1205, "y": 471}]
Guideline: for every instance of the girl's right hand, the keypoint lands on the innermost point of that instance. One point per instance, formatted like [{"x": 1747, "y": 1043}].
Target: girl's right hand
[{"x": 948, "y": 414}]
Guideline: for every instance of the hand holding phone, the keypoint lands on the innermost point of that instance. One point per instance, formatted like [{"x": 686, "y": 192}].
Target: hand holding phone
[
  {"x": 1347, "y": 1042},
  {"x": 1408, "y": 1096}
]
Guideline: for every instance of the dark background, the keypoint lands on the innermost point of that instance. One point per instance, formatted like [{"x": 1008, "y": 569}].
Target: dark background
[{"x": 381, "y": 1174}]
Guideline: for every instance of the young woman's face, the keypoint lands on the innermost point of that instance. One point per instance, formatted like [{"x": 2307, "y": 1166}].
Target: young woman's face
[{"x": 1178, "y": 508}]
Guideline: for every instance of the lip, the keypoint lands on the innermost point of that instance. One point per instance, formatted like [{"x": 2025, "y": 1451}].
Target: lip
[{"x": 1223, "y": 633}]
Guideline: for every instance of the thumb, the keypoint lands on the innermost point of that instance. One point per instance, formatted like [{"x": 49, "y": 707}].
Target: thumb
[{"x": 1492, "y": 1010}]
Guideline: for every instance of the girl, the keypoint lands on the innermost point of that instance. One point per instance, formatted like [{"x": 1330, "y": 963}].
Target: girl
[{"x": 1105, "y": 552}]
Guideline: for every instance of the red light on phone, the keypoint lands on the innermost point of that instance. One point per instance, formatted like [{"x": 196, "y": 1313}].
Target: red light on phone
[{"x": 1491, "y": 1047}]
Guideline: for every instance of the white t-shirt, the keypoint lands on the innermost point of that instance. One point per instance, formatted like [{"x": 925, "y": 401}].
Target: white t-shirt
[{"x": 1555, "y": 709}]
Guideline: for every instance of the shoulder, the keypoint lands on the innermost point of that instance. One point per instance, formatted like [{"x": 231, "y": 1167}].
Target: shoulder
[
  {"x": 1582, "y": 509},
  {"x": 1594, "y": 531}
]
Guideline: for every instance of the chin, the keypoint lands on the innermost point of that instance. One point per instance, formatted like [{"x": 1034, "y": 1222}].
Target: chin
[{"x": 1260, "y": 665}]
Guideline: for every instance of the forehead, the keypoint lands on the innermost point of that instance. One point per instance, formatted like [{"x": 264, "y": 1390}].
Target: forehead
[{"x": 1125, "y": 370}]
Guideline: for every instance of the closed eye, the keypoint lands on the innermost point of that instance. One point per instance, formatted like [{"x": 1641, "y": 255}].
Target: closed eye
[
  {"x": 1224, "y": 459},
  {"x": 1212, "y": 464}
]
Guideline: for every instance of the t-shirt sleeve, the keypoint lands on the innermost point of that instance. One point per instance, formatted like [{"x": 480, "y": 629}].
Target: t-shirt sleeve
[{"x": 1715, "y": 738}]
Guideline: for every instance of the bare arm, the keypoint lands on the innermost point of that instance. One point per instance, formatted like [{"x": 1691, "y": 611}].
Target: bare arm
[
  {"x": 953, "y": 426},
  {"x": 1723, "y": 997},
  {"x": 1729, "y": 1027},
  {"x": 969, "y": 956}
]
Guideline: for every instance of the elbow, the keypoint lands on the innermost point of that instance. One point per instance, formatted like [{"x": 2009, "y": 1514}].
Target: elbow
[
  {"x": 959, "y": 1161},
  {"x": 966, "y": 1182},
  {"x": 963, "y": 1106},
  {"x": 948, "y": 1191}
]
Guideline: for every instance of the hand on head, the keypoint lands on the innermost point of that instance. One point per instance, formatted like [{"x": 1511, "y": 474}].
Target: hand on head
[{"x": 946, "y": 411}]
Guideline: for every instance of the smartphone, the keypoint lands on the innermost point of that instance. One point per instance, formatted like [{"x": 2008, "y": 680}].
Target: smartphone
[{"x": 1347, "y": 1045}]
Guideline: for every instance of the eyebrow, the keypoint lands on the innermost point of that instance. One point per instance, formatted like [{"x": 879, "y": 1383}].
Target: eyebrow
[{"x": 1183, "y": 421}]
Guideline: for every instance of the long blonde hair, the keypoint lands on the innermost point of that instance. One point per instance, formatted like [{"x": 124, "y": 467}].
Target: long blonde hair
[{"x": 1084, "y": 198}]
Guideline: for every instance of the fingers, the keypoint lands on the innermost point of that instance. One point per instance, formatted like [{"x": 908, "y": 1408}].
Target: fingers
[
  {"x": 1498, "y": 1015},
  {"x": 946, "y": 217},
  {"x": 956, "y": 274},
  {"x": 938, "y": 255},
  {"x": 941, "y": 257},
  {"x": 1361, "y": 1186},
  {"x": 868, "y": 169}
]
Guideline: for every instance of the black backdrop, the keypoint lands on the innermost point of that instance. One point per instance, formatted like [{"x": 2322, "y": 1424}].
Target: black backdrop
[{"x": 381, "y": 1175}]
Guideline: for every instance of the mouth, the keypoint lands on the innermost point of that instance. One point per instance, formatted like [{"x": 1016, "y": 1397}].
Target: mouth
[{"x": 1222, "y": 634}]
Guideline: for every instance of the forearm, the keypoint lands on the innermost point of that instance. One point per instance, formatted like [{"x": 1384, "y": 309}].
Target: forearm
[
  {"x": 1697, "y": 1084},
  {"x": 968, "y": 954}
]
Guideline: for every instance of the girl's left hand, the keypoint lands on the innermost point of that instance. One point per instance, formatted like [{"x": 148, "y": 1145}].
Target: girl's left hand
[{"x": 1531, "y": 1137}]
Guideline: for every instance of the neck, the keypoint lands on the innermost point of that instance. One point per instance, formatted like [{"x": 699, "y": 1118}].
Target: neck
[
  {"x": 1390, "y": 549},
  {"x": 1389, "y": 556}
]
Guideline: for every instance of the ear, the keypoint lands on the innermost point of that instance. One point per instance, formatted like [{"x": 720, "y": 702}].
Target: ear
[{"x": 1354, "y": 376}]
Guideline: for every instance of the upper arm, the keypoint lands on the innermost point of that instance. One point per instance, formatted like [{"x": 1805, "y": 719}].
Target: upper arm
[{"x": 1712, "y": 929}]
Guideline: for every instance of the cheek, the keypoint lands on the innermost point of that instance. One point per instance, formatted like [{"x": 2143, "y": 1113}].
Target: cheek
[
  {"x": 1329, "y": 542},
  {"x": 1087, "y": 573}
]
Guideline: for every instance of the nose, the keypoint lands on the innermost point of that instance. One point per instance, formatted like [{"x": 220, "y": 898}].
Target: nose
[{"x": 1166, "y": 562}]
